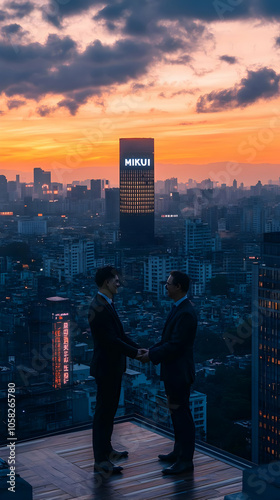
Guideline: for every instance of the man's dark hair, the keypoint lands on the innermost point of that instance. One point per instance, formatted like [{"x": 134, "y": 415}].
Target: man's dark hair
[
  {"x": 180, "y": 278},
  {"x": 104, "y": 273}
]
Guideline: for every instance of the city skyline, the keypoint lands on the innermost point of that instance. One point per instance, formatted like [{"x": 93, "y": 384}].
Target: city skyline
[{"x": 201, "y": 79}]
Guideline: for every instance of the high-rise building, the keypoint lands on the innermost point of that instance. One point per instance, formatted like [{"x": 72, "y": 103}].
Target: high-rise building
[
  {"x": 78, "y": 257},
  {"x": 197, "y": 237},
  {"x": 3, "y": 188},
  {"x": 157, "y": 269},
  {"x": 137, "y": 198},
  {"x": 41, "y": 178},
  {"x": 76, "y": 193},
  {"x": 200, "y": 271},
  {"x": 43, "y": 345},
  {"x": 266, "y": 353},
  {"x": 171, "y": 185},
  {"x": 61, "y": 365},
  {"x": 105, "y": 184},
  {"x": 95, "y": 188},
  {"x": 112, "y": 205}
]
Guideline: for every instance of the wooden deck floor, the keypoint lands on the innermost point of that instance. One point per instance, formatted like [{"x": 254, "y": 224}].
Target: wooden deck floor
[{"x": 61, "y": 467}]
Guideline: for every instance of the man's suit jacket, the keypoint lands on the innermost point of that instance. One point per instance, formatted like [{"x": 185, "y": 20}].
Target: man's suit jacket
[
  {"x": 111, "y": 344},
  {"x": 175, "y": 350}
]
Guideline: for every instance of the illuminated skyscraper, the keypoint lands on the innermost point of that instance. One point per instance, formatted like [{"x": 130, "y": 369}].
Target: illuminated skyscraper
[
  {"x": 266, "y": 353},
  {"x": 137, "y": 198},
  {"x": 60, "y": 341}
]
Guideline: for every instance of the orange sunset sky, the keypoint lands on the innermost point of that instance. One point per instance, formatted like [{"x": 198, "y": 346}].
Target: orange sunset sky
[{"x": 201, "y": 77}]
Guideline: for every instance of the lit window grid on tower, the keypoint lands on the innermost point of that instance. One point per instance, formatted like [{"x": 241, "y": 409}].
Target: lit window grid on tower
[
  {"x": 269, "y": 364},
  {"x": 137, "y": 191}
]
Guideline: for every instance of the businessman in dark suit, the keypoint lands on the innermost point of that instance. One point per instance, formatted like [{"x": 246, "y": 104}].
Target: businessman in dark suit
[
  {"x": 111, "y": 346},
  {"x": 175, "y": 353}
]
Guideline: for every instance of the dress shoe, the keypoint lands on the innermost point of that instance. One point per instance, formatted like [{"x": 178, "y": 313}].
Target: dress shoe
[
  {"x": 116, "y": 455},
  {"x": 171, "y": 457},
  {"x": 107, "y": 468},
  {"x": 178, "y": 468}
]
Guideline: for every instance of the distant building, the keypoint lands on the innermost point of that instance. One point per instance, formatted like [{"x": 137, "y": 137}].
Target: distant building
[
  {"x": 95, "y": 188},
  {"x": 253, "y": 218},
  {"x": 137, "y": 198},
  {"x": 171, "y": 185},
  {"x": 105, "y": 184},
  {"x": 197, "y": 237},
  {"x": 3, "y": 189},
  {"x": 61, "y": 348},
  {"x": 156, "y": 271},
  {"x": 200, "y": 272},
  {"x": 41, "y": 178},
  {"x": 78, "y": 257},
  {"x": 112, "y": 205},
  {"x": 37, "y": 225},
  {"x": 266, "y": 353},
  {"x": 77, "y": 193}
]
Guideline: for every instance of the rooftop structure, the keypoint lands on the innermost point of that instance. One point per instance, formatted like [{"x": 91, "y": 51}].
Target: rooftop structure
[{"x": 61, "y": 466}]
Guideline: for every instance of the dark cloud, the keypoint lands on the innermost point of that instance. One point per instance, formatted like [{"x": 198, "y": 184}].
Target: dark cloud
[
  {"x": 70, "y": 104},
  {"x": 177, "y": 10},
  {"x": 11, "y": 29},
  {"x": 3, "y": 15},
  {"x": 19, "y": 9},
  {"x": 204, "y": 9},
  {"x": 58, "y": 68},
  {"x": 277, "y": 41},
  {"x": 229, "y": 59},
  {"x": 171, "y": 44},
  {"x": 55, "y": 11},
  {"x": 44, "y": 110},
  {"x": 14, "y": 34},
  {"x": 268, "y": 8},
  {"x": 261, "y": 84},
  {"x": 179, "y": 60},
  {"x": 15, "y": 103},
  {"x": 136, "y": 15},
  {"x": 112, "y": 12},
  {"x": 136, "y": 87}
]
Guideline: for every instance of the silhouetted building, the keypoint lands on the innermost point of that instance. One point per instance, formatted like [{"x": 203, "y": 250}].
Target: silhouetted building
[
  {"x": 3, "y": 188},
  {"x": 95, "y": 188},
  {"x": 76, "y": 193},
  {"x": 266, "y": 353},
  {"x": 41, "y": 178},
  {"x": 137, "y": 198},
  {"x": 170, "y": 185},
  {"x": 112, "y": 205}
]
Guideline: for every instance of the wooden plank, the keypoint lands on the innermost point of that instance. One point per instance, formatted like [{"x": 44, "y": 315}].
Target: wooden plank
[{"x": 61, "y": 467}]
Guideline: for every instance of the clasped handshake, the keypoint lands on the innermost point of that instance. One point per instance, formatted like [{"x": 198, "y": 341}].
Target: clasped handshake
[{"x": 143, "y": 355}]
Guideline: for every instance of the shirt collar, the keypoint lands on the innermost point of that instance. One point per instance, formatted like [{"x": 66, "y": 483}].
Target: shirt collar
[
  {"x": 105, "y": 297},
  {"x": 180, "y": 300}
]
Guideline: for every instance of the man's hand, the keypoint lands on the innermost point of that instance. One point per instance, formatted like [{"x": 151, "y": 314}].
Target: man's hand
[
  {"x": 140, "y": 353},
  {"x": 143, "y": 354},
  {"x": 145, "y": 358}
]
